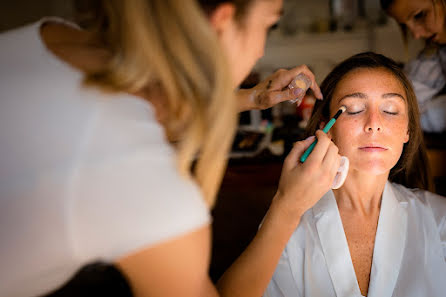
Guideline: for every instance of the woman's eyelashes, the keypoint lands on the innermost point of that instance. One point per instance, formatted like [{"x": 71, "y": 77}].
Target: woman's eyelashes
[
  {"x": 391, "y": 108},
  {"x": 273, "y": 27},
  {"x": 352, "y": 110},
  {"x": 358, "y": 110},
  {"x": 420, "y": 16}
]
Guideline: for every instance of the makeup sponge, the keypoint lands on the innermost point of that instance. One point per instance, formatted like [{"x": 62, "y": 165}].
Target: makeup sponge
[{"x": 341, "y": 174}]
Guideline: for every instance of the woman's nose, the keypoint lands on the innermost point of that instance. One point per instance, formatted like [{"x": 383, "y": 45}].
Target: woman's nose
[{"x": 373, "y": 122}]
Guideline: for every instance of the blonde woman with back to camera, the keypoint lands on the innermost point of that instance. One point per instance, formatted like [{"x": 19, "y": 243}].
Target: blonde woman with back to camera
[{"x": 99, "y": 131}]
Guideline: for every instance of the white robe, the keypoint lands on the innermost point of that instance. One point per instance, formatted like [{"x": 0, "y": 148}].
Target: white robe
[{"x": 408, "y": 258}]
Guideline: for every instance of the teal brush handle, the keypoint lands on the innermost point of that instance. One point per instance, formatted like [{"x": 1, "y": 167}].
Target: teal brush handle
[
  {"x": 308, "y": 151},
  {"x": 329, "y": 125},
  {"x": 311, "y": 147}
]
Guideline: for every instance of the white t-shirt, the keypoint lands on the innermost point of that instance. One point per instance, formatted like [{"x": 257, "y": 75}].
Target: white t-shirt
[
  {"x": 84, "y": 175},
  {"x": 409, "y": 256}
]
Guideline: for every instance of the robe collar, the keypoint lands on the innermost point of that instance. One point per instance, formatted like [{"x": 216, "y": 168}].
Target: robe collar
[{"x": 388, "y": 250}]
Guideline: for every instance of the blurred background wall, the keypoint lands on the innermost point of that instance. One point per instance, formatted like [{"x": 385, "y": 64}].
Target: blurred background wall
[
  {"x": 321, "y": 33},
  {"x": 14, "y": 13}
]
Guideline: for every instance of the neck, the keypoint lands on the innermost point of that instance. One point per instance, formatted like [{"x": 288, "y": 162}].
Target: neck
[
  {"x": 361, "y": 193},
  {"x": 81, "y": 49}
]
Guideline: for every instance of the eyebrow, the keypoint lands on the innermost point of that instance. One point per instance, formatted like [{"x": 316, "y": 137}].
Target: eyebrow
[{"x": 364, "y": 96}]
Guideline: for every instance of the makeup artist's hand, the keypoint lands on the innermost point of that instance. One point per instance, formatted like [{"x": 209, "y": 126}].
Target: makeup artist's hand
[
  {"x": 303, "y": 184},
  {"x": 274, "y": 89}
]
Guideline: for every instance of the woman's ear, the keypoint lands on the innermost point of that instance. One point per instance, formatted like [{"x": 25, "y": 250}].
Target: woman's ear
[
  {"x": 222, "y": 17},
  {"x": 406, "y": 139}
]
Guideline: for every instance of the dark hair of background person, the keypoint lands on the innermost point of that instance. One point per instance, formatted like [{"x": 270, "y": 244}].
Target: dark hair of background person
[
  {"x": 387, "y": 4},
  {"x": 412, "y": 168}
]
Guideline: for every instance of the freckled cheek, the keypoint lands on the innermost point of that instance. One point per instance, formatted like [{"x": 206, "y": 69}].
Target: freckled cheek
[
  {"x": 347, "y": 126},
  {"x": 343, "y": 134},
  {"x": 397, "y": 128},
  {"x": 396, "y": 135}
]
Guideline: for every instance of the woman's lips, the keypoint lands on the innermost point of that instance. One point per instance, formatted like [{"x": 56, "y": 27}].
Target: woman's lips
[
  {"x": 372, "y": 148},
  {"x": 436, "y": 39}
]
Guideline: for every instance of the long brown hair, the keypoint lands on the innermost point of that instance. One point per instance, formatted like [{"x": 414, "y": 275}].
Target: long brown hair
[
  {"x": 411, "y": 169},
  {"x": 169, "y": 44}
]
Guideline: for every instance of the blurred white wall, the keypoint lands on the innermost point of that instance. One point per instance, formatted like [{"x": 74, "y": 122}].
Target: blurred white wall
[{"x": 304, "y": 37}]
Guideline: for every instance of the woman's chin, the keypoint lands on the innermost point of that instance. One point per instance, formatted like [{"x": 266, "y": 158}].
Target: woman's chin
[{"x": 372, "y": 168}]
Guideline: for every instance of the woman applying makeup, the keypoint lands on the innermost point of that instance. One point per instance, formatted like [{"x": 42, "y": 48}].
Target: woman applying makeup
[
  {"x": 381, "y": 233},
  {"x": 425, "y": 19},
  {"x": 114, "y": 141}
]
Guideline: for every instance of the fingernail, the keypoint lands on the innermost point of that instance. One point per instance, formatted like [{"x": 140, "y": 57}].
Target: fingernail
[
  {"x": 297, "y": 92},
  {"x": 310, "y": 138}
]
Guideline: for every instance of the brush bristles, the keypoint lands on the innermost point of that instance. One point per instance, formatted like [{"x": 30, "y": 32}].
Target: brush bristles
[{"x": 340, "y": 111}]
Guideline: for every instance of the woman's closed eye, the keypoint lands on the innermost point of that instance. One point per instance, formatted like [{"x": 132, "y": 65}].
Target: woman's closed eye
[
  {"x": 273, "y": 27},
  {"x": 391, "y": 108},
  {"x": 352, "y": 110},
  {"x": 419, "y": 16},
  {"x": 390, "y": 112}
]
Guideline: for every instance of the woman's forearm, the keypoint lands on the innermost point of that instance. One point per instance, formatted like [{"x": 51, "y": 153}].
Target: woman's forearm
[
  {"x": 252, "y": 271},
  {"x": 245, "y": 99},
  {"x": 250, "y": 274}
]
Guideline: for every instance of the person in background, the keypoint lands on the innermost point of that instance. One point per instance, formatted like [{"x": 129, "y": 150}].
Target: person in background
[
  {"x": 114, "y": 141},
  {"x": 382, "y": 233},
  {"x": 425, "y": 19}
]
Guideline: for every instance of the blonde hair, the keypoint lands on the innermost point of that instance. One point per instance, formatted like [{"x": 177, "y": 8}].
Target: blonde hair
[{"x": 170, "y": 44}]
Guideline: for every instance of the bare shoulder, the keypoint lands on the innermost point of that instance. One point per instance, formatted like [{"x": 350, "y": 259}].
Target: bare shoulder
[{"x": 178, "y": 267}]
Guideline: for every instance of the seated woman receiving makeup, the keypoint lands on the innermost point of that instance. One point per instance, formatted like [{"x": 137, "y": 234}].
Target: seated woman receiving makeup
[{"x": 380, "y": 234}]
